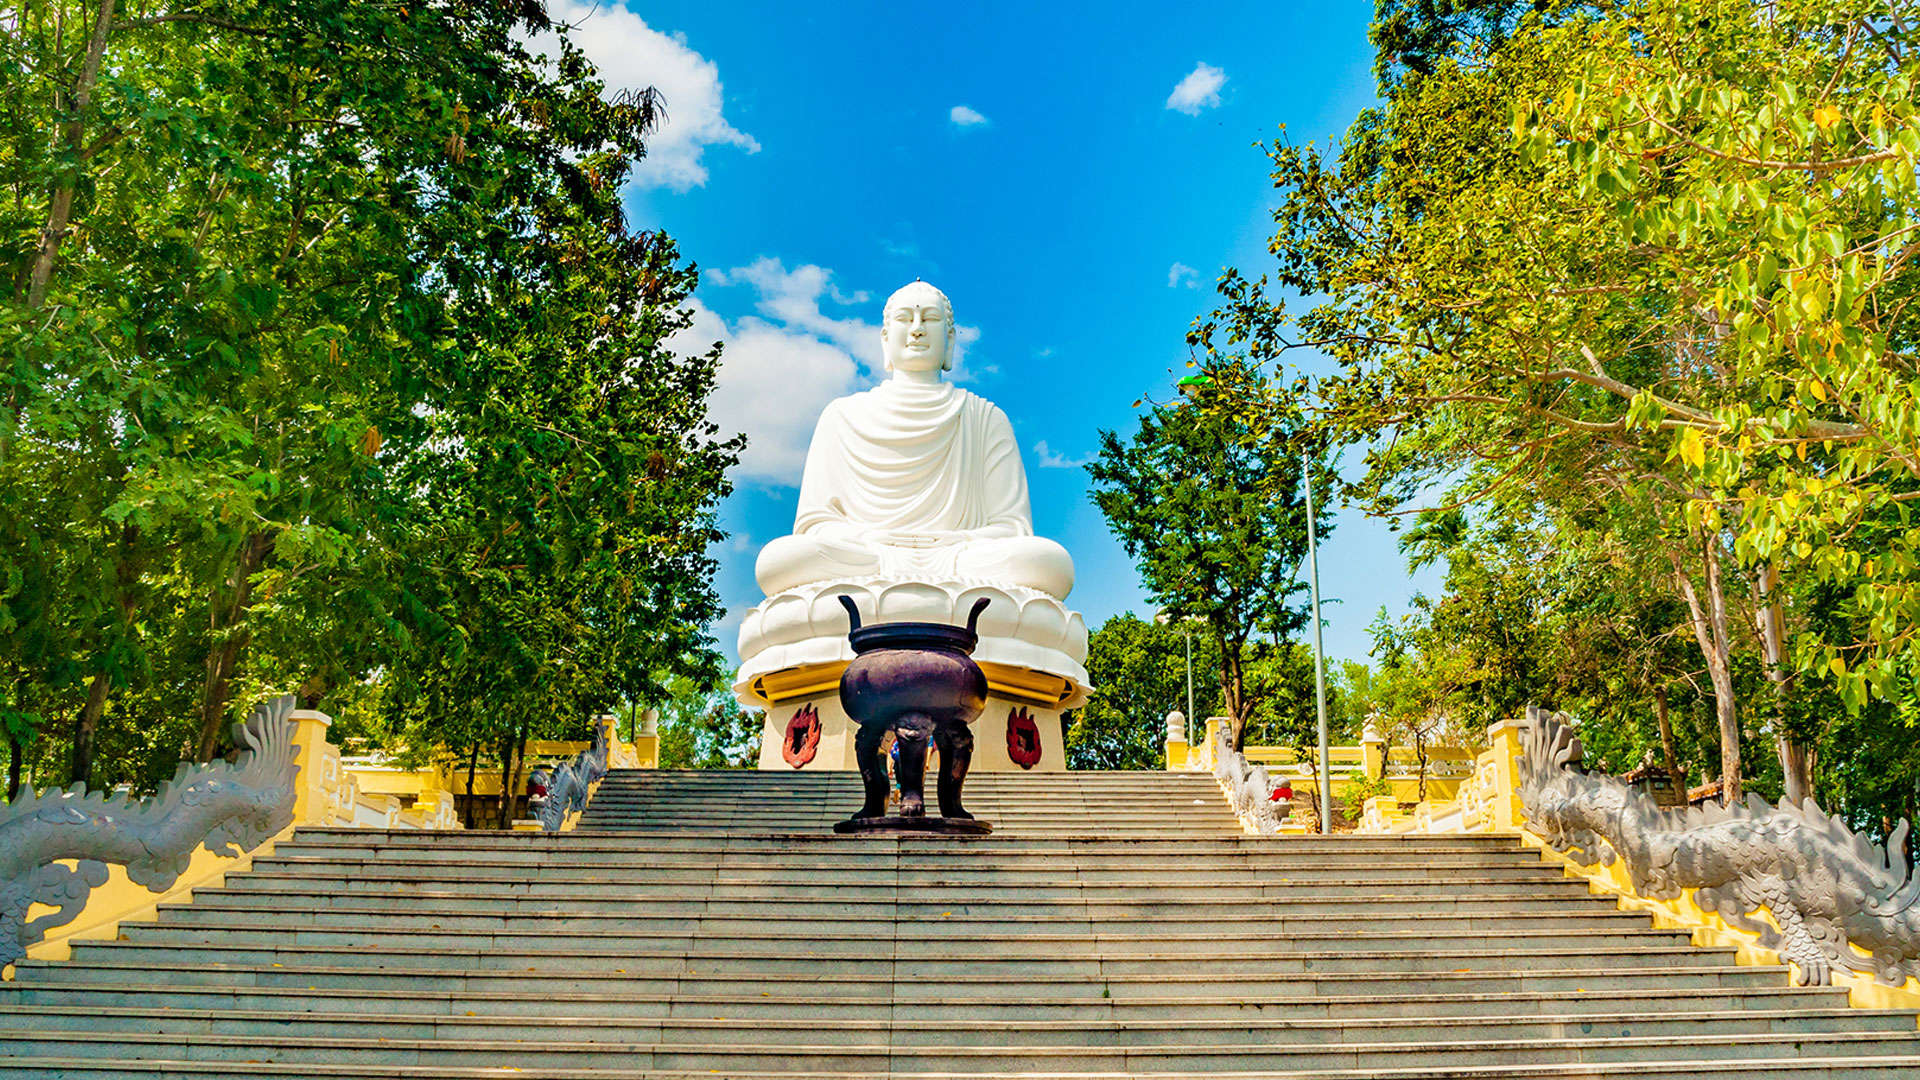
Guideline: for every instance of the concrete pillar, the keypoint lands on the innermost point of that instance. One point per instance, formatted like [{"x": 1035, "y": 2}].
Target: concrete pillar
[
  {"x": 316, "y": 783},
  {"x": 1215, "y": 724},
  {"x": 1373, "y": 752},
  {"x": 646, "y": 742},
  {"x": 1176, "y": 740},
  {"x": 1508, "y": 741}
]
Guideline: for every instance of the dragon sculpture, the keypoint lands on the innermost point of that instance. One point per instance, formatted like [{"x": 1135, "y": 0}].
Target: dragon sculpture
[
  {"x": 230, "y": 807},
  {"x": 573, "y": 781},
  {"x": 1246, "y": 785},
  {"x": 1836, "y": 899}
]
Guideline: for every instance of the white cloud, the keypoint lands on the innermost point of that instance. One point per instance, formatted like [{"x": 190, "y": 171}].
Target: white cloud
[
  {"x": 962, "y": 116},
  {"x": 780, "y": 366},
  {"x": 1199, "y": 90},
  {"x": 633, "y": 56},
  {"x": 1181, "y": 274},
  {"x": 1046, "y": 458}
]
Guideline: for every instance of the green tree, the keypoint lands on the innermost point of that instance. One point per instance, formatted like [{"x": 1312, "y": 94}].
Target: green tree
[
  {"x": 330, "y": 354},
  {"x": 1208, "y": 499},
  {"x": 702, "y": 726},
  {"x": 1648, "y": 254}
]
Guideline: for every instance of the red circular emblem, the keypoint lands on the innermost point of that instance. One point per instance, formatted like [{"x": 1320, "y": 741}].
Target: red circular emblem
[
  {"x": 803, "y": 737},
  {"x": 1023, "y": 739}
]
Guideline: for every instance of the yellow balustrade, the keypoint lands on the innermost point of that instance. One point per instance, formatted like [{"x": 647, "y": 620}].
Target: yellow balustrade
[
  {"x": 1447, "y": 767},
  {"x": 329, "y": 791},
  {"x": 325, "y": 794},
  {"x": 1489, "y": 802}
]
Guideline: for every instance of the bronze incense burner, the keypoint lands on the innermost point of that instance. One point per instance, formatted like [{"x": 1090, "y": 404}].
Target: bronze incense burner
[{"x": 917, "y": 680}]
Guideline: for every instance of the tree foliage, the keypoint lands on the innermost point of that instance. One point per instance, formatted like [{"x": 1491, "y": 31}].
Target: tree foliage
[
  {"x": 1639, "y": 274},
  {"x": 702, "y": 726},
  {"x": 1139, "y": 672},
  {"x": 330, "y": 357},
  {"x": 1208, "y": 497}
]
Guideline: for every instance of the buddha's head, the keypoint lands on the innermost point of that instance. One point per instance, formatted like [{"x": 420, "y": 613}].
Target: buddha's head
[{"x": 916, "y": 329}]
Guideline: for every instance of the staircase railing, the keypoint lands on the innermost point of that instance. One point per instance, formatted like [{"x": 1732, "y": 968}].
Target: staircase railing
[
  {"x": 100, "y": 859},
  {"x": 1248, "y": 787},
  {"x": 55, "y": 846},
  {"x": 1778, "y": 883},
  {"x": 575, "y": 780}
]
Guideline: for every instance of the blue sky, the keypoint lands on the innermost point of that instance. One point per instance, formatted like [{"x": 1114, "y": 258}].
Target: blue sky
[{"x": 1074, "y": 176}]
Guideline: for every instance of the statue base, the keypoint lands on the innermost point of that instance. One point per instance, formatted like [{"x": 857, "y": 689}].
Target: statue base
[
  {"x": 805, "y": 726},
  {"x": 913, "y": 826}
]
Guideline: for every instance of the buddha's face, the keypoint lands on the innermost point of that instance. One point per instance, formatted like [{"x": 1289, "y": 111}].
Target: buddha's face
[{"x": 916, "y": 330}]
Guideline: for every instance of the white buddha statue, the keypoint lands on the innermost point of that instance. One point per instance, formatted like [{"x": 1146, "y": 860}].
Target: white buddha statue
[
  {"x": 915, "y": 479},
  {"x": 913, "y": 506}
]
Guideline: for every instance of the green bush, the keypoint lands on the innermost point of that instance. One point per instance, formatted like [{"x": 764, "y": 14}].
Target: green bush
[{"x": 1355, "y": 793}]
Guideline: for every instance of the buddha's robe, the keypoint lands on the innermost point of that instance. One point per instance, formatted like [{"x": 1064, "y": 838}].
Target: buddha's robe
[{"x": 914, "y": 482}]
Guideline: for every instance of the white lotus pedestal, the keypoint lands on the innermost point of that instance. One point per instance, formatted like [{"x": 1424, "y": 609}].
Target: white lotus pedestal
[{"x": 794, "y": 646}]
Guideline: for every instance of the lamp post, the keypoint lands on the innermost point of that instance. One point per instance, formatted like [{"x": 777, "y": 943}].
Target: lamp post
[
  {"x": 1165, "y": 616},
  {"x": 1319, "y": 662}
]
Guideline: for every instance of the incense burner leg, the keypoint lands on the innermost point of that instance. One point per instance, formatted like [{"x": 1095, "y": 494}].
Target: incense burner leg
[
  {"x": 913, "y": 730},
  {"x": 956, "y": 756},
  {"x": 873, "y": 769}
]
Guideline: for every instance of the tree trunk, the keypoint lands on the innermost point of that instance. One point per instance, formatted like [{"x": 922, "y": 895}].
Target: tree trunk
[
  {"x": 73, "y": 134},
  {"x": 1667, "y": 755},
  {"x": 230, "y": 639},
  {"x": 1233, "y": 692},
  {"x": 80, "y": 770},
  {"x": 1710, "y": 631},
  {"x": 16, "y": 750},
  {"x": 509, "y": 793},
  {"x": 473, "y": 766},
  {"x": 1796, "y": 758}
]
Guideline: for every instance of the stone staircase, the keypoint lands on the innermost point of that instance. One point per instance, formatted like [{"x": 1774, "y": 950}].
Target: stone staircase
[{"x": 708, "y": 924}]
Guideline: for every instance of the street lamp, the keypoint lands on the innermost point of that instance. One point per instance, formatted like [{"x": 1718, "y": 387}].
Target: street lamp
[{"x": 1319, "y": 662}]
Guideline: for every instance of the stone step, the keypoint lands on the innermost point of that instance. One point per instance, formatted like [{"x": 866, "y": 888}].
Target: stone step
[
  {"x": 1277, "y": 1001},
  {"x": 913, "y": 908},
  {"x": 932, "y": 888},
  {"x": 887, "y": 873},
  {"x": 296, "y": 854},
  {"x": 1076, "y": 828},
  {"x": 781, "y": 780},
  {"x": 842, "y": 981},
  {"x": 711, "y": 924},
  {"x": 1154, "y": 879},
  {"x": 1787, "y": 1068},
  {"x": 881, "y": 941},
  {"x": 932, "y": 894},
  {"x": 909, "y": 961},
  {"x": 1208, "y": 794},
  {"x": 897, "y": 1032},
  {"x": 1352, "y": 846},
  {"x": 975, "y": 1060},
  {"x": 1181, "y": 794},
  {"x": 775, "y": 889},
  {"x": 329, "y": 912}
]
